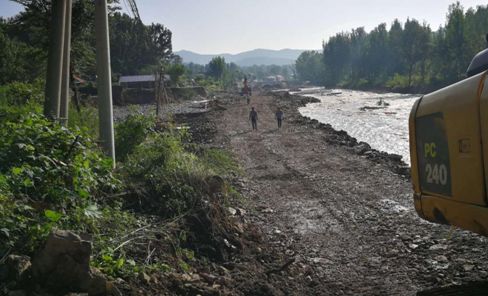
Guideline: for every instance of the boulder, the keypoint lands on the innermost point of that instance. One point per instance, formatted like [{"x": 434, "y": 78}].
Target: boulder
[
  {"x": 17, "y": 267},
  {"x": 64, "y": 265},
  {"x": 361, "y": 148}
]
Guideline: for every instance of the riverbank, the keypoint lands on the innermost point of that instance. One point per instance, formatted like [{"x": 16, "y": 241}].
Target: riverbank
[
  {"x": 334, "y": 220},
  {"x": 379, "y": 119}
]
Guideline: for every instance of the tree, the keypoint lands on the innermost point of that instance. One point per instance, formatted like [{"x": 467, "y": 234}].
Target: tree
[
  {"x": 457, "y": 53},
  {"x": 374, "y": 51},
  {"x": 309, "y": 67},
  {"x": 216, "y": 67},
  {"x": 337, "y": 58},
  {"x": 175, "y": 71},
  {"x": 415, "y": 45}
]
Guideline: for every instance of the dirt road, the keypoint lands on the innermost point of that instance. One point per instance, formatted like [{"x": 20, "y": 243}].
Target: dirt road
[{"x": 346, "y": 222}]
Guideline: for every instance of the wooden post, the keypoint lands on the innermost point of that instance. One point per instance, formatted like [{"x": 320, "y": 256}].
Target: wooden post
[
  {"x": 104, "y": 79},
  {"x": 55, "y": 60}
]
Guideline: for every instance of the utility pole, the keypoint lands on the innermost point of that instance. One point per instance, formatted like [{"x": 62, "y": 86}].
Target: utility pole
[
  {"x": 55, "y": 60},
  {"x": 104, "y": 79},
  {"x": 65, "y": 98}
]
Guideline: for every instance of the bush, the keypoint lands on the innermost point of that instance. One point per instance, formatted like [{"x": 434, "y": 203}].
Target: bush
[
  {"x": 398, "y": 82},
  {"x": 86, "y": 120},
  {"x": 220, "y": 161},
  {"x": 19, "y": 93},
  {"x": 49, "y": 176},
  {"x": 130, "y": 133},
  {"x": 166, "y": 179}
]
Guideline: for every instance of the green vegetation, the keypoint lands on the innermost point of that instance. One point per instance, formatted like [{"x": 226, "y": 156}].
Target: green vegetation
[
  {"x": 165, "y": 190},
  {"x": 408, "y": 57},
  {"x": 52, "y": 177},
  {"x": 218, "y": 75},
  {"x": 135, "y": 47},
  {"x": 49, "y": 176}
]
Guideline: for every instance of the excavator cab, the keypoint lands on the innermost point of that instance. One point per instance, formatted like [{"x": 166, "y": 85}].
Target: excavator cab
[{"x": 449, "y": 151}]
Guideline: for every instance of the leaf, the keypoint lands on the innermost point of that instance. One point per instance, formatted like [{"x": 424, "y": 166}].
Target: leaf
[
  {"x": 83, "y": 193},
  {"x": 5, "y": 231},
  {"x": 16, "y": 171},
  {"x": 52, "y": 215},
  {"x": 120, "y": 263},
  {"x": 27, "y": 182},
  {"x": 93, "y": 212}
]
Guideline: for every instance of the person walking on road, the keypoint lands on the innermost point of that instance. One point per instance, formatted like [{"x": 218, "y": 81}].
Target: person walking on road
[
  {"x": 279, "y": 117},
  {"x": 253, "y": 117}
]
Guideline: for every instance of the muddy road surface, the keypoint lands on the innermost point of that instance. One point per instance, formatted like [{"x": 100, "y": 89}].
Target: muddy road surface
[{"x": 342, "y": 218}]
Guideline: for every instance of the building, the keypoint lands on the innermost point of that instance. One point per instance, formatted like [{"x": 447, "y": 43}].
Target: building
[{"x": 137, "y": 81}]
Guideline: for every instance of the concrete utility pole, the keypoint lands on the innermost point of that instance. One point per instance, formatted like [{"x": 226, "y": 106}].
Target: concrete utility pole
[
  {"x": 64, "y": 109},
  {"x": 55, "y": 60},
  {"x": 104, "y": 79}
]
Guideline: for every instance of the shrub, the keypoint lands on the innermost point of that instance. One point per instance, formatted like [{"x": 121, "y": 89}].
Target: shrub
[
  {"x": 398, "y": 82},
  {"x": 167, "y": 179},
  {"x": 86, "y": 120},
  {"x": 19, "y": 93},
  {"x": 49, "y": 175},
  {"x": 130, "y": 133},
  {"x": 220, "y": 161}
]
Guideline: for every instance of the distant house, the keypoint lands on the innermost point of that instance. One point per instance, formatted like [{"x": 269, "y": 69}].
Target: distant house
[
  {"x": 139, "y": 81},
  {"x": 274, "y": 79}
]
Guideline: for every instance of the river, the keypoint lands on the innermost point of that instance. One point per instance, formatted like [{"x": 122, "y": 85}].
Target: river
[{"x": 381, "y": 120}]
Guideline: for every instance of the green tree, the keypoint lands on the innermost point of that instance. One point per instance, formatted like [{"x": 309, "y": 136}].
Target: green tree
[
  {"x": 415, "y": 46},
  {"x": 309, "y": 67},
  {"x": 216, "y": 67},
  {"x": 457, "y": 53}
]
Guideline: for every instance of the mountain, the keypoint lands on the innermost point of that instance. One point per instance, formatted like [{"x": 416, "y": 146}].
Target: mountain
[{"x": 247, "y": 58}]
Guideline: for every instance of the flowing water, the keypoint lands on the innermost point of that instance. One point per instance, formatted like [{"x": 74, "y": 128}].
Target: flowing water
[{"x": 381, "y": 120}]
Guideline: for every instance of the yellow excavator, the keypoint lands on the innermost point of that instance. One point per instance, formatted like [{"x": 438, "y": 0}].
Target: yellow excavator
[{"x": 449, "y": 151}]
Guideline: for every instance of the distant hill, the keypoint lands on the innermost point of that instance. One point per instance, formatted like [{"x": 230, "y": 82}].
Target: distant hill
[{"x": 247, "y": 58}]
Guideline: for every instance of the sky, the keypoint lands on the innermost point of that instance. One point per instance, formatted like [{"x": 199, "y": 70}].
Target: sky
[{"x": 232, "y": 26}]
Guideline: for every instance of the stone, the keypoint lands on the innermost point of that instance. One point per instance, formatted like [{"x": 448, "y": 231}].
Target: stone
[
  {"x": 17, "y": 266},
  {"x": 395, "y": 157},
  {"x": 438, "y": 247},
  {"x": 361, "y": 148},
  {"x": 63, "y": 265},
  {"x": 232, "y": 211},
  {"x": 468, "y": 267},
  {"x": 145, "y": 278},
  {"x": 413, "y": 246},
  {"x": 241, "y": 212}
]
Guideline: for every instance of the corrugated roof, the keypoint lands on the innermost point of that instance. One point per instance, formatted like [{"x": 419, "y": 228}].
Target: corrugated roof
[{"x": 137, "y": 78}]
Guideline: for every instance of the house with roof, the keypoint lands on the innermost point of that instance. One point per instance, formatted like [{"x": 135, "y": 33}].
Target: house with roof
[{"x": 140, "y": 81}]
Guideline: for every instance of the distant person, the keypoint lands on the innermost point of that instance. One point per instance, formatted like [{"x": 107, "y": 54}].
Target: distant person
[
  {"x": 279, "y": 117},
  {"x": 253, "y": 117}
]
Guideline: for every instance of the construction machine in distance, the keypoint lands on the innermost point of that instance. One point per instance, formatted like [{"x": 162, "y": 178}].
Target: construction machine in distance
[{"x": 449, "y": 151}]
